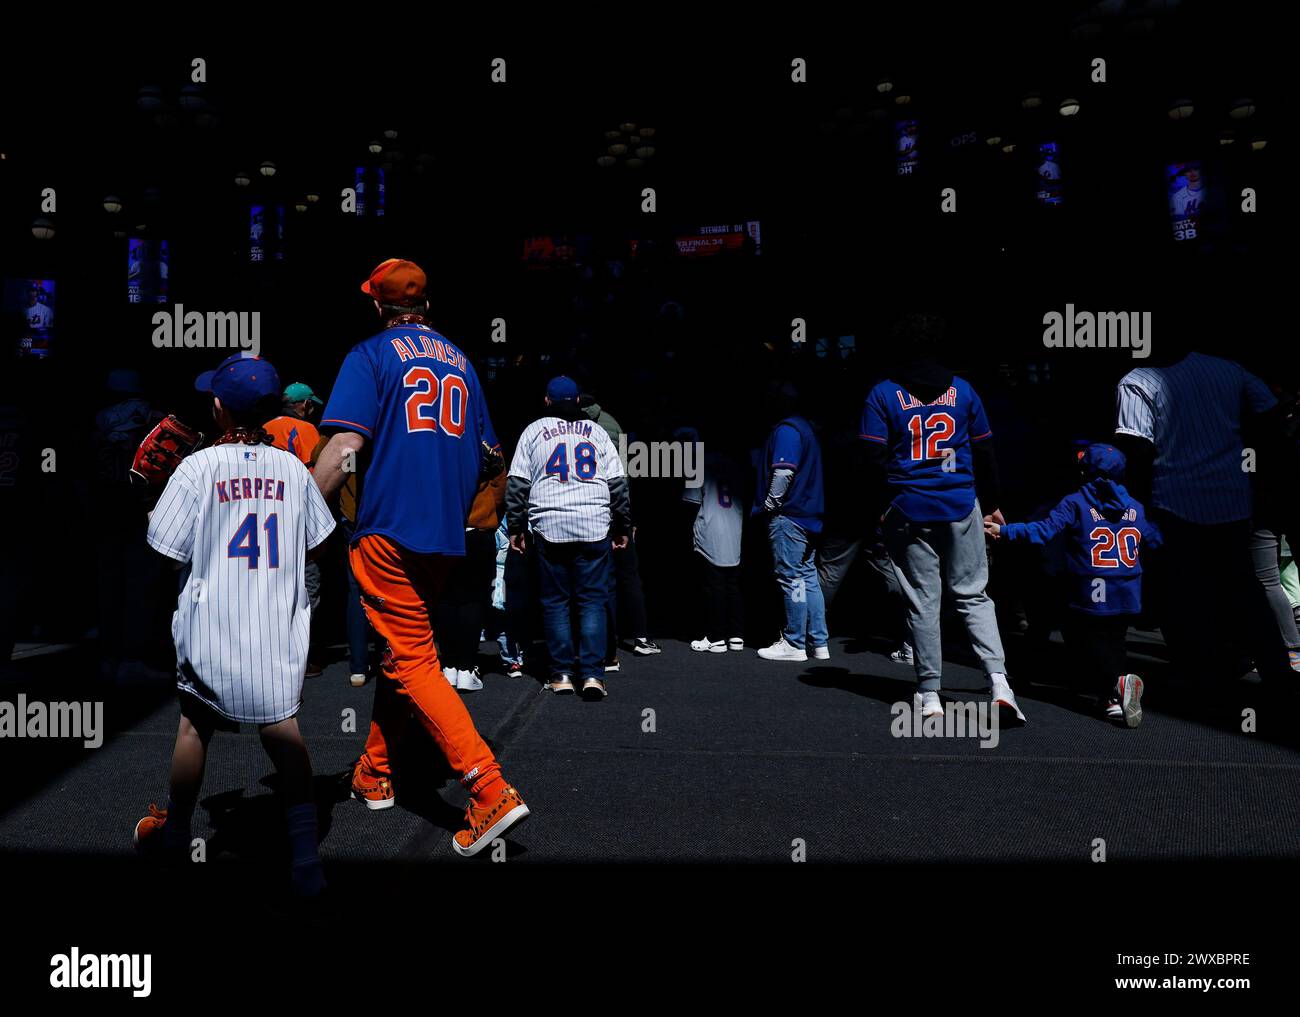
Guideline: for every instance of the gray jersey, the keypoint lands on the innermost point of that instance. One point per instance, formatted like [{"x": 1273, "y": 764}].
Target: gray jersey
[
  {"x": 242, "y": 517},
  {"x": 721, "y": 518},
  {"x": 569, "y": 465}
]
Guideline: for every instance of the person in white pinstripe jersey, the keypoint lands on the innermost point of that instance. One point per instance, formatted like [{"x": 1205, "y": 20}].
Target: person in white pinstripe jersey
[
  {"x": 241, "y": 517},
  {"x": 568, "y": 484},
  {"x": 1182, "y": 423}
]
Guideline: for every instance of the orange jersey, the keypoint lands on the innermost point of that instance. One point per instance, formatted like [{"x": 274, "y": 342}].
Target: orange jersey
[{"x": 293, "y": 435}]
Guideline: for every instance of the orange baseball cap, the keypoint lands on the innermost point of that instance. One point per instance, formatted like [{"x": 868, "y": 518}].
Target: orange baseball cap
[{"x": 396, "y": 282}]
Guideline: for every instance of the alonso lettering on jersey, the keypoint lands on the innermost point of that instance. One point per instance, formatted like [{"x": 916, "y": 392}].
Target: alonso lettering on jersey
[
  {"x": 425, "y": 347},
  {"x": 249, "y": 488}
]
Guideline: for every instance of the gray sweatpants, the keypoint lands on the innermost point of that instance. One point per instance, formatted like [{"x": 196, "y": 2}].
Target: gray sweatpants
[{"x": 929, "y": 558}]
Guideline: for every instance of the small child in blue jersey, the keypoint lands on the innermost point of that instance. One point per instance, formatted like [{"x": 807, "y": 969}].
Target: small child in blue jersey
[{"x": 1105, "y": 530}]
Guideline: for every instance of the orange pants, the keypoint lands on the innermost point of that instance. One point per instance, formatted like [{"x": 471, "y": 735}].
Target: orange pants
[{"x": 400, "y": 589}]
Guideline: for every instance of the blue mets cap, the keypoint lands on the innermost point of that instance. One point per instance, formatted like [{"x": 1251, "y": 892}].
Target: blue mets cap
[
  {"x": 1100, "y": 460},
  {"x": 561, "y": 389},
  {"x": 241, "y": 381}
]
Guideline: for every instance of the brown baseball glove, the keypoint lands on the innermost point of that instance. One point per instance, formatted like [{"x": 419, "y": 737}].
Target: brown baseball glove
[
  {"x": 162, "y": 450},
  {"x": 493, "y": 463}
]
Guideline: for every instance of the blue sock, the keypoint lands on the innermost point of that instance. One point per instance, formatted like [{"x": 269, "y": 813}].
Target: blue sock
[
  {"x": 176, "y": 831},
  {"x": 306, "y": 875}
]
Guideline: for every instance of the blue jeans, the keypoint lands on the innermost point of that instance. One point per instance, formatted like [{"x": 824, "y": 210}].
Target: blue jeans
[
  {"x": 796, "y": 572},
  {"x": 574, "y": 574},
  {"x": 358, "y": 626},
  {"x": 507, "y": 643}
]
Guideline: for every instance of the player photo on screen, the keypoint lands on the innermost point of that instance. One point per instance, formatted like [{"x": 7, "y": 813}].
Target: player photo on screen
[
  {"x": 907, "y": 149},
  {"x": 146, "y": 272},
  {"x": 33, "y": 299},
  {"x": 1187, "y": 195},
  {"x": 1049, "y": 173},
  {"x": 256, "y": 233}
]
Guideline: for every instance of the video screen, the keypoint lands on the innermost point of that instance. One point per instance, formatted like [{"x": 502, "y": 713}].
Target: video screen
[
  {"x": 146, "y": 272},
  {"x": 907, "y": 149},
  {"x": 1049, "y": 173},
  {"x": 714, "y": 239},
  {"x": 256, "y": 233},
  {"x": 1186, "y": 181},
  {"x": 550, "y": 251},
  {"x": 375, "y": 177},
  {"x": 34, "y": 300}
]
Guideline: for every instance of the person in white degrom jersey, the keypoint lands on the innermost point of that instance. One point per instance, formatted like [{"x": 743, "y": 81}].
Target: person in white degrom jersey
[{"x": 566, "y": 492}]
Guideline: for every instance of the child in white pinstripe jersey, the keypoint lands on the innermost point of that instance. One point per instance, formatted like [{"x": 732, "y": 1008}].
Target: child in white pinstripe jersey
[{"x": 241, "y": 517}]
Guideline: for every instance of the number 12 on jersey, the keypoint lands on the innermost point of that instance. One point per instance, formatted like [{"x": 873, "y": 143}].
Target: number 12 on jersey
[
  {"x": 244, "y": 543},
  {"x": 926, "y": 437}
]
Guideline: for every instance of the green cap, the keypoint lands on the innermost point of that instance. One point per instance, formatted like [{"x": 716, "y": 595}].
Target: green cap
[{"x": 299, "y": 391}]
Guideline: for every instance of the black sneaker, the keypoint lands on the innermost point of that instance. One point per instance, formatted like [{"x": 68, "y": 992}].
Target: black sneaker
[{"x": 643, "y": 647}]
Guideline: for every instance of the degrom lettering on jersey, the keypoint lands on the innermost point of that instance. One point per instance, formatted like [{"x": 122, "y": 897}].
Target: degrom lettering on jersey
[
  {"x": 559, "y": 427},
  {"x": 417, "y": 400},
  {"x": 242, "y": 519}
]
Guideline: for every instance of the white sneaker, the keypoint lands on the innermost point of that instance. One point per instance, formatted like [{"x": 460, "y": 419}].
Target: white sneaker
[
  {"x": 928, "y": 703},
  {"x": 464, "y": 680},
  {"x": 707, "y": 645},
  {"x": 735, "y": 643},
  {"x": 358, "y": 680},
  {"x": 903, "y": 655},
  {"x": 781, "y": 650},
  {"x": 821, "y": 653},
  {"x": 1000, "y": 692}
]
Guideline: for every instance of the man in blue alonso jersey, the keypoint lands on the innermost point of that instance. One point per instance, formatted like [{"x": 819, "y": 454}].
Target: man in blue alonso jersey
[
  {"x": 790, "y": 494},
  {"x": 929, "y": 439},
  {"x": 410, "y": 399}
]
